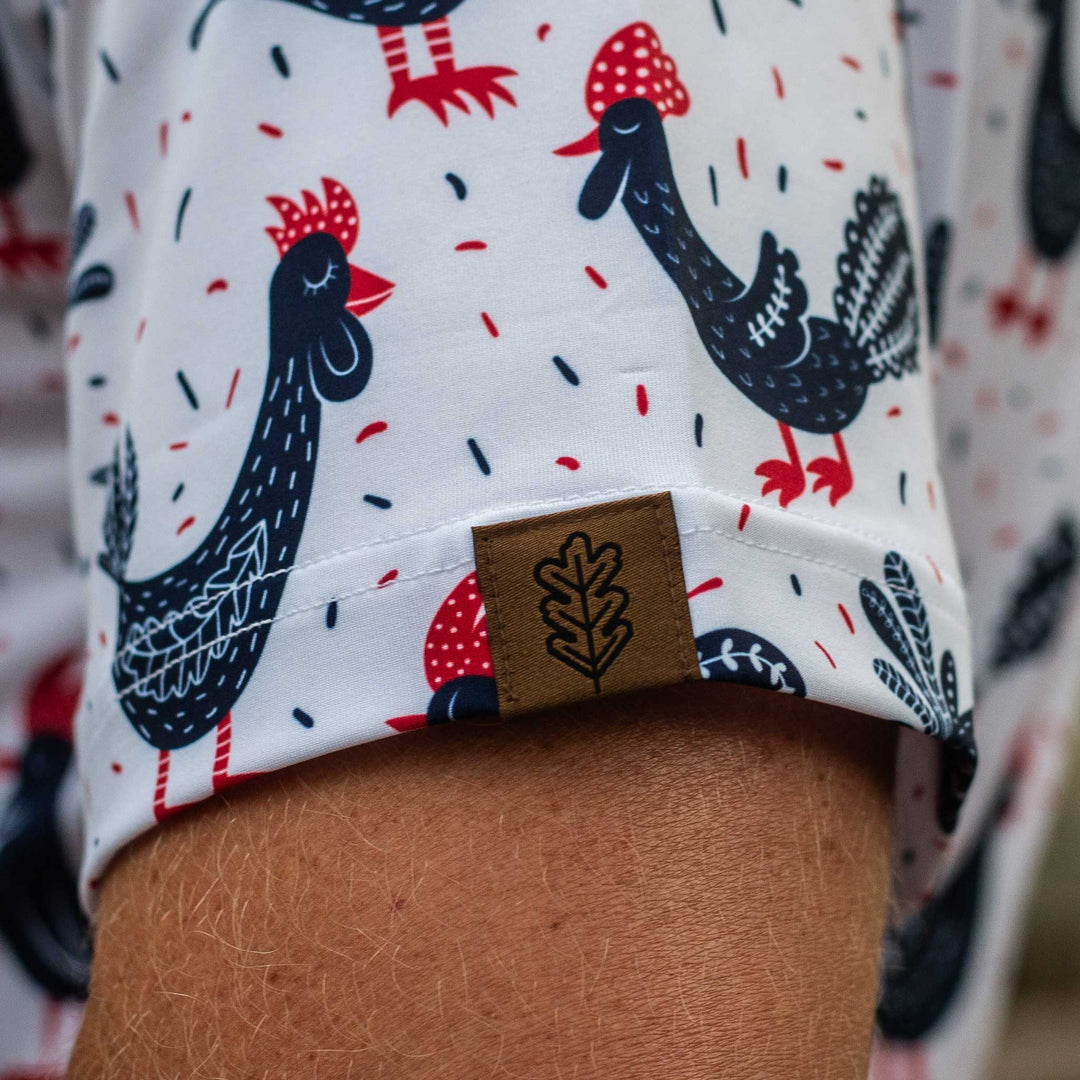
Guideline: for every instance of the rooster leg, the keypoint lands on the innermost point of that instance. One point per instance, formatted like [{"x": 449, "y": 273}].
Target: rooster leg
[
  {"x": 1042, "y": 318},
  {"x": 785, "y": 477},
  {"x": 833, "y": 473},
  {"x": 447, "y": 84},
  {"x": 21, "y": 254},
  {"x": 222, "y": 778},
  {"x": 1007, "y": 305},
  {"x": 161, "y": 811}
]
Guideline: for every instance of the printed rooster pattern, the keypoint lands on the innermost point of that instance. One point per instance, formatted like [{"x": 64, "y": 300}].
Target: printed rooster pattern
[{"x": 693, "y": 247}]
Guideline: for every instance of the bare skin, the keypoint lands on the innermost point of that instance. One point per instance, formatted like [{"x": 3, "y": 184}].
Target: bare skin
[{"x": 686, "y": 884}]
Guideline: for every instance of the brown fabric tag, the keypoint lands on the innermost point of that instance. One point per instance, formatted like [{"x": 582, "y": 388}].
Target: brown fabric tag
[{"x": 589, "y": 601}]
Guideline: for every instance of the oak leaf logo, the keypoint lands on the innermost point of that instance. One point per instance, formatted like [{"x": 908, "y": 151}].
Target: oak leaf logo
[{"x": 583, "y": 608}]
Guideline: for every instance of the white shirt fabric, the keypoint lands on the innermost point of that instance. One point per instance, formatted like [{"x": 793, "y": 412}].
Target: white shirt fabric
[{"x": 273, "y": 499}]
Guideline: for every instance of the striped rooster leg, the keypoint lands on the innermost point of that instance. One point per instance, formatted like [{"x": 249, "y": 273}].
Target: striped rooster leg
[
  {"x": 833, "y": 473},
  {"x": 1040, "y": 320},
  {"x": 1007, "y": 305},
  {"x": 162, "y": 812},
  {"x": 221, "y": 778},
  {"x": 784, "y": 477},
  {"x": 447, "y": 84},
  {"x": 21, "y": 254}
]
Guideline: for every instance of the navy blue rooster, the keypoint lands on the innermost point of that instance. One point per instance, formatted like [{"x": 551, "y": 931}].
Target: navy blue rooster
[
  {"x": 20, "y": 253},
  {"x": 1051, "y": 191},
  {"x": 189, "y": 638},
  {"x": 441, "y": 88},
  {"x": 812, "y": 374}
]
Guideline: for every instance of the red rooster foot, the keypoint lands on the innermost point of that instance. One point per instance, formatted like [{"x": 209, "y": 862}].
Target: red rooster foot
[
  {"x": 446, "y": 87},
  {"x": 21, "y": 255},
  {"x": 1038, "y": 326},
  {"x": 1005, "y": 308},
  {"x": 784, "y": 477},
  {"x": 832, "y": 474}
]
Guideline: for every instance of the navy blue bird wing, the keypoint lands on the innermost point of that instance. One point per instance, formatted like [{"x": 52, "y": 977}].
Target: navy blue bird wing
[{"x": 168, "y": 658}]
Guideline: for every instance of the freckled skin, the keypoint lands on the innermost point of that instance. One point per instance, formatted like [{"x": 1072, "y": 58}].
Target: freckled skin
[{"x": 688, "y": 883}]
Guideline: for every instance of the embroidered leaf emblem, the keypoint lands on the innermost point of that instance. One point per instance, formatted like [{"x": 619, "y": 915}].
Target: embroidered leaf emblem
[{"x": 584, "y": 610}]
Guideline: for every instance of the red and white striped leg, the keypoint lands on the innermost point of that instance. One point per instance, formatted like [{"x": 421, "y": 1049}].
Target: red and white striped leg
[
  {"x": 446, "y": 85},
  {"x": 221, "y": 778}
]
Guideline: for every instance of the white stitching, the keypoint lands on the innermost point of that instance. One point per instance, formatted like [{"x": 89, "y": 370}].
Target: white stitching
[
  {"x": 561, "y": 500},
  {"x": 944, "y": 612}
]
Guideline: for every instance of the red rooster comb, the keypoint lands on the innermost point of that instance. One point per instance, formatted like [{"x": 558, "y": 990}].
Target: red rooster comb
[
  {"x": 631, "y": 63},
  {"x": 337, "y": 216}
]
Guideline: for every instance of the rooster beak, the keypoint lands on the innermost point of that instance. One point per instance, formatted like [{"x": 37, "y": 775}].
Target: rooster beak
[
  {"x": 366, "y": 291},
  {"x": 588, "y": 145}
]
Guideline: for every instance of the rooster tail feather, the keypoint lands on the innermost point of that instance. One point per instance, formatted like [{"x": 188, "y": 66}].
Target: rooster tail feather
[
  {"x": 876, "y": 300},
  {"x": 121, "y": 510}
]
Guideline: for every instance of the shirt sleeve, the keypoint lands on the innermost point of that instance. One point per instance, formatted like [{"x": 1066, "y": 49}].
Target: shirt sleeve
[{"x": 460, "y": 361}]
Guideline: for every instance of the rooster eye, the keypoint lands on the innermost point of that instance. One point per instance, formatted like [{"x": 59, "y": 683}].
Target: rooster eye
[{"x": 313, "y": 287}]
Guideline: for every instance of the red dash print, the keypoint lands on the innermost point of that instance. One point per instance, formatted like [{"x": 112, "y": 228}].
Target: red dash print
[
  {"x": 931, "y": 495},
  {"x": 163, "y": 137},
  {"x": 851, "y": 63},
  {"x": 744, "y": 513},
  {"x": 103, "y": 639},
  {"x": 570, "y": 463},
  {"x": 72, "y": 342},
  {"x": 132, "y": 208},
  {"x": 894, "y": 411},
  {"x": 376, "y": 427},
  {"x": 642, "y": 399},
  {"x": 986, "y": 399},
  {"x": 185, "y": 117},
  {"x": 543, "y": 30},
  {"x": 408, "y": 723},
  {"x": 471, "y": 245},
  {"x": 942, "y": 80},
  {"x": 985, "y": 215},
  {"x": 954, "y": 354},
  {"x": 51, "y": 382},
  {"x": 178, "y": 446},
  {"x": 740, "y": 149},
  {"x": 492, "y": 329},
  {"x": 597, "y": 277},
  {"x": 390, "y": 575},
  {"x": 826, "y": 652},
  {"x": 1015, "y": 52},
  {"x": 847, "y": 618},
  {"x": 271, "y": 130},
  {"x": 1005, "y": 538},
  {"x": 217, "y": 285},
  {"x": 140, "y": 331},
  {"x": 779, "y": 82},
  {"x": 934, "y": 567},
  {"x": 117, "y": 767},
  {"x": 1048, "y": 423},
  {"x": 111, "y": 419},
  {"x": 835, "y": 164},
  {"x": 705, "y": 586},
  {"x": 185, "y": 524},
  {"x": 232, "y": 387}
]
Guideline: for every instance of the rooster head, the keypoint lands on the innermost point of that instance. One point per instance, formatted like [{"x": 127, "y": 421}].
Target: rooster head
[
  {"x": 630, "y": 64},
  {"x": 336, "y": 216}
]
